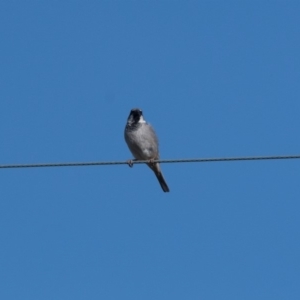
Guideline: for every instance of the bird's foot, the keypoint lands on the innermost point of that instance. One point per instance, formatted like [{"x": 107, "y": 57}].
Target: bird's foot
[
  {"x": 130, "y": 162},
  {"x": 151, "y": 162}
]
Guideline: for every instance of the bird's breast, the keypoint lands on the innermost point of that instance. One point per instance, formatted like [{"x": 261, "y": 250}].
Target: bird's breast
[{"x": 141, "y": 142}]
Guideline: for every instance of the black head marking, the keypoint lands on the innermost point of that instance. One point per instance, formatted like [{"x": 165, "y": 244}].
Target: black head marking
[{"x": 135, "y": 115}]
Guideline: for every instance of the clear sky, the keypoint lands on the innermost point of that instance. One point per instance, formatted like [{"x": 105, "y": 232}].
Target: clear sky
[{"x": 215, "y": 79}]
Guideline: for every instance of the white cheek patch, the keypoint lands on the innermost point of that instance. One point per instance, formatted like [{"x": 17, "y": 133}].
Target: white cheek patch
[{"x": 141, "y": 120}]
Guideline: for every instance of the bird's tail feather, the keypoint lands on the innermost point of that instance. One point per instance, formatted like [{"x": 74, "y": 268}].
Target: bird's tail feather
[
  {"x": 156, "y": 169},
  {"x": 162, "y": 181}
]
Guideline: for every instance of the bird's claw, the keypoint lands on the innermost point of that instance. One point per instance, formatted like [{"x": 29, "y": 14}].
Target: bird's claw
[
  {"x": 151, "y": 162},
  {"x": 130, "y": 163}
]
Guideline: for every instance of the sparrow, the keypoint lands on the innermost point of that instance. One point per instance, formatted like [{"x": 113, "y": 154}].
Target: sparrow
[{"x": 143, "y": 143}]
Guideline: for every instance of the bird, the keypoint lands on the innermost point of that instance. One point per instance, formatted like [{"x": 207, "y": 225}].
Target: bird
[{"x": 143, "y": 143}]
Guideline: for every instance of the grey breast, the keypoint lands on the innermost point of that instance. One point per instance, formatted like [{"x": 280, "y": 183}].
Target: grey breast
[{"x": 142, "y": 141}]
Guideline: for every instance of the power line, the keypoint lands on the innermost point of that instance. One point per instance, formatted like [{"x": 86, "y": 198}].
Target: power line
[{"x": 193, "y": 160}]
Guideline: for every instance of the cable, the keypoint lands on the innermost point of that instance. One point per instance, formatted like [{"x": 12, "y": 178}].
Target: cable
[{"x": 86, "y": 164}]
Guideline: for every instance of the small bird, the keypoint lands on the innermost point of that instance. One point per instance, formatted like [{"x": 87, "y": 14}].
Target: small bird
[{"x": 143, "y": 143}]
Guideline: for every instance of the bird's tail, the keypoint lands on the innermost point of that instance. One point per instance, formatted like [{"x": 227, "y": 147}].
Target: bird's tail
[
  {"x": 156, "y": 169},
  {"x": 162, "y": 181}
]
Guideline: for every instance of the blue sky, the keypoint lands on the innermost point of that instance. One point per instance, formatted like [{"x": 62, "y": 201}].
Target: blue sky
[{"x": 215, "y": 79}]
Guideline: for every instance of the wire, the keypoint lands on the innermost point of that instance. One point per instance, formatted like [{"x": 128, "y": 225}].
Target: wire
[{"x": 195, "y": 160}]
